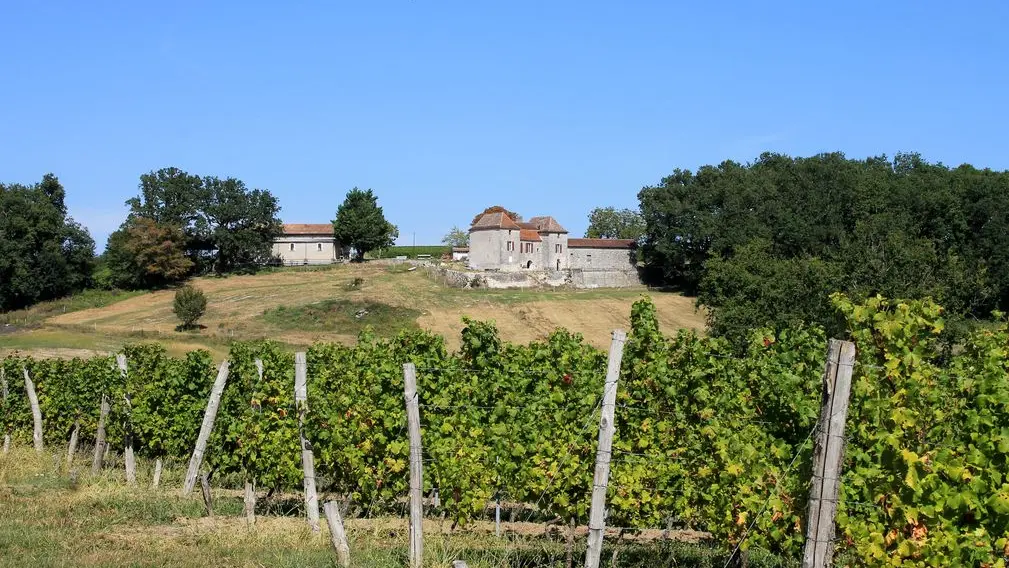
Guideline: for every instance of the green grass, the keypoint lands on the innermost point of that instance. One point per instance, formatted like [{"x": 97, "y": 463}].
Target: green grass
[
  {"x": 50, "y": 520},
  {"x": 84, "y": 300},
  {"x": 343, "y": 316},
  {"x": 410, "y": 252}
]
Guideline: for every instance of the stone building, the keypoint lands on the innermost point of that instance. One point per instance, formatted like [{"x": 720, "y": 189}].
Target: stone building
[
  {"x": 498, "y": 242},
  {"x": 308, "y": 243}
]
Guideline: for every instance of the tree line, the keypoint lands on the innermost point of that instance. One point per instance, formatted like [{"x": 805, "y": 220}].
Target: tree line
[
  {"x": 766, "y": 243},
  {"x": 178, "y": 225}
]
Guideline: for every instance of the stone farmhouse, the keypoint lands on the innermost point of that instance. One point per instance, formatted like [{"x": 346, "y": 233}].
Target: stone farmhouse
[
  {"x": 308, "y": 243},
  {"x": 499, "y": 243}
]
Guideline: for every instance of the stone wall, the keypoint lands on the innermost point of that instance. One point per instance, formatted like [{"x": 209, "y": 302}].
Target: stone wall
[
  {"x": 535, "y": 278},
  {"x": 602, "y": 258},
  {"x": 605, "y": 278}
]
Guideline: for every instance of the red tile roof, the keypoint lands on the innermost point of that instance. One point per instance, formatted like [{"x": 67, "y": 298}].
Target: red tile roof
[
  {"x": 529, "y": 235},
  {"x": 308, "y": 229},
  {"x": 602, "y": 243},
  {"x": 492, "y": 221},
  {"x": 547, "y": 224}
]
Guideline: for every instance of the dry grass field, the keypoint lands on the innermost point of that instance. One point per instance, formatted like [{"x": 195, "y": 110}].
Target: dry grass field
[{"x": 302, "y": 306}]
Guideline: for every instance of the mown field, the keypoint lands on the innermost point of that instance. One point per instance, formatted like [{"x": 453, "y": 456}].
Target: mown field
[{"x": 300, "y": 306}]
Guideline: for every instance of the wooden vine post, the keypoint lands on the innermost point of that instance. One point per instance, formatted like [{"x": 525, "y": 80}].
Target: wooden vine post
[
  {"x": 416, "y": 466},
  {"x": 336, "y": 533},
  {"x": 36, "y": 411},
  {"x": 7, "y": 434},
  {"x": 249, "y": 500},
  {"x": 156, "y": 481},
  {"x": 131, "y": 462},
  {"x": 818, "y": 551},
  {"x": 72, "y": 446},
  {"x": 209, "y": 416},
  {"x": 307, "y": 458},
  {"x": 100, "y": 444},
  {"x": 607, "y": 428}
]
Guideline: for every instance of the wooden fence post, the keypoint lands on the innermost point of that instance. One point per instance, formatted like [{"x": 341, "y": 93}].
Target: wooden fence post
[
  {"x": 336, "y": 533},
  {"x": 205, "y": 429},
  {"x": 208, "y": 498},
  {"x": 250, "y": 484},
  {"x": 818, "y": 550},
  {"x": 307, "y": 458},
  {"x": 157, "y": 474},
  {"x": 36, "y": 411},
  {"x": 7, "y": 434},
  {"x": 416, "y": 466},
  {"x": 99, "y": 459},
  {"x": 128, "y": 458},
  {"x": 72, "y": 446},
  {"x": 601, "y": 478}
]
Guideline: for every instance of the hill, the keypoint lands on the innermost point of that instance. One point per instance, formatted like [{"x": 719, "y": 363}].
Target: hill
[{"x": 301, "y": 306}]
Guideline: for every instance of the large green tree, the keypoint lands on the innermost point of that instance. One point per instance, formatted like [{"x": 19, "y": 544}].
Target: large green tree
[
  {"x": 226, "y": 226},
  {"x": 361, "y": 224},
  {"x": 613, "y": 223},
  {"x": 748, "y": 237},
  {"x": 243, "y": 224},
  {"x": 44, "y": 253}
]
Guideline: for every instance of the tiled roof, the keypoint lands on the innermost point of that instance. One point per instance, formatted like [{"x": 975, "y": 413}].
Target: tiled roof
[
  {"x": 460, "y": 249},
  {"x": 528, "y": 225},
  {"x": 494, "y": 221},
  {"x": 308, "y": 229},
  {"x": 547, "y": 225},
  {"x": 529, "y": 235},
  {"x": 602, "y": 243}
]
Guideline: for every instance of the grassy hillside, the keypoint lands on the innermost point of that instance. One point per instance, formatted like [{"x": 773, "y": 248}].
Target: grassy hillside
[{"x": 302, "y": 306}]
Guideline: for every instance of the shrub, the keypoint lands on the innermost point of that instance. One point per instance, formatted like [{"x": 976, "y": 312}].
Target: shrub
[{"x": 190, "y": 304}]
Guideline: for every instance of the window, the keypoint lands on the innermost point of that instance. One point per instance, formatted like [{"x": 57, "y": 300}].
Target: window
[
  {"x": 529, "y": 247},
  {"x": 320, "y": 246},
  {"x": 557, "y": 248},
  {"x": 511, "y": 246},
  {"x": 588, "y": 258},
  {"x": 292, "y": 246}
]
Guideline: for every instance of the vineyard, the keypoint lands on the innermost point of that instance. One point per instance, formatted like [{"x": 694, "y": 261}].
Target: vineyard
[{"x": 709, "y": 437}]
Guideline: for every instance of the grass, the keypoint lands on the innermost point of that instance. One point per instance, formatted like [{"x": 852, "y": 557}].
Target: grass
[
  {"x": 343, "y": 316},
  {"x": 51, "y": 520},
  {"x": 84, "y": 300},
  {"x": 410, "y": 252},
  {"x": 301, "y": 306}
]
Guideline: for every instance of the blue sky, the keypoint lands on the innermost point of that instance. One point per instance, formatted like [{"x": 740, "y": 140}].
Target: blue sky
[{"x": 446, "y": 107}]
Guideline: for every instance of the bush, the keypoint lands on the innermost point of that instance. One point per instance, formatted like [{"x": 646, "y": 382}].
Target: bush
[{"x": 190, "y": 305}]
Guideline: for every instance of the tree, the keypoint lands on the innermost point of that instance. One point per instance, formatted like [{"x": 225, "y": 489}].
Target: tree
[
  {"x": 146, "y": 254},
  {"x": 227, "y": 227},
  {"x": 456, "y": 238},
  {"x": 611, "y": 223},
  {"x": 243, "y": 224},
  {"x": 749, "y": 237},
  {"x": 44, "y": 253},
  {"x": 497, "y": 209},
  {"x": 189, "y": 306},
  {"x": 361, "y": 224}
]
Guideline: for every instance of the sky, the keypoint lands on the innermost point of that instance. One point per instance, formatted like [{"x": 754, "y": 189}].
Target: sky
[{"x": 443, "y": 108}]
